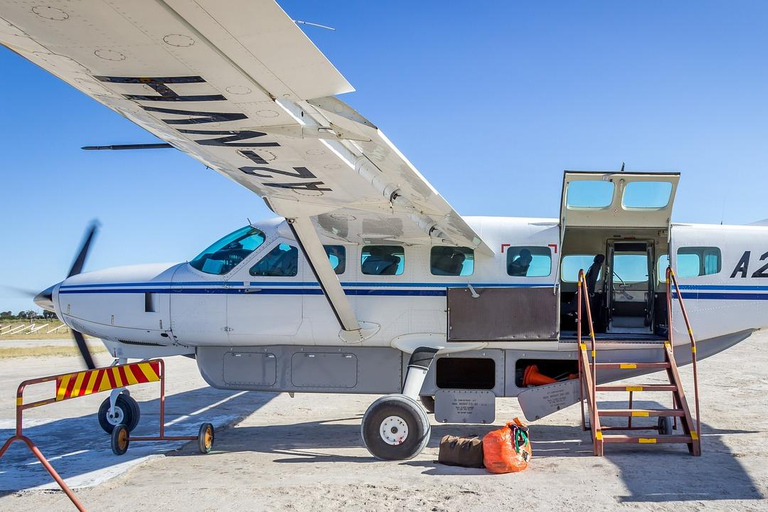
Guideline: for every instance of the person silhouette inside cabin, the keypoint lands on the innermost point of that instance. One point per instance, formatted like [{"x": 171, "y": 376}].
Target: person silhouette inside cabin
[{"x": 519, "y": 265}]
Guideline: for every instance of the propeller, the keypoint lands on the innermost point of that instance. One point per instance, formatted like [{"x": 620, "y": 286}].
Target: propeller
[
  {"x": 77, "y": 267},
  {"x": 44, "y": 299}
]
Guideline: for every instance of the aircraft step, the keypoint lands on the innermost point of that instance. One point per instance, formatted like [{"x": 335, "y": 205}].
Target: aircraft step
[
  {"x": 640, "y": 413},
  {"x": 651, "y": 342},
  {"x": 631, "y": 366},
  {"x": 643, "y": 387},
  {"x": 619, "y": 438}
]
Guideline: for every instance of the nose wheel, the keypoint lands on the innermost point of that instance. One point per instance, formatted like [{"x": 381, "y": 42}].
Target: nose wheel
[
  {"x": 395, "y": 427},
  {"x": 126, "y": 412}
]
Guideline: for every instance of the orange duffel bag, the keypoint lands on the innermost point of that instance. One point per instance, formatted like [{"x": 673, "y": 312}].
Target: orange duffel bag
[{"x": 508, "y": 449}]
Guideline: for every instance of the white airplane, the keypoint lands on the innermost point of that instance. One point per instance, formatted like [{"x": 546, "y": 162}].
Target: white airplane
[{"x": 368, "y": 275}]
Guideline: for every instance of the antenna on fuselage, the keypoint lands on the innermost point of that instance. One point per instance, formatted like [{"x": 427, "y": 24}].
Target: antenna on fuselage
[
  {"x": 301, "y": 22},
  {"x": 622, "y": 167}
]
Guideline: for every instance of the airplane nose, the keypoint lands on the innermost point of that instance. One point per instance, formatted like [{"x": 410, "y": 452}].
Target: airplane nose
[{"x": 44, "y": 299}]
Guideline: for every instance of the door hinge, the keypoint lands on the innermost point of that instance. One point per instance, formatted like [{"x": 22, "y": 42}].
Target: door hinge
[{"x": 228, "y": 329}]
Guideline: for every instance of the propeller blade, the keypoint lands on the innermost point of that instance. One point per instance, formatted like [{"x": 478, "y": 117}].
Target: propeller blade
[
  {"x": 26, "y": 292},
  {"x": 77, "y": 266},
  {"x": 80, "y": 340}
]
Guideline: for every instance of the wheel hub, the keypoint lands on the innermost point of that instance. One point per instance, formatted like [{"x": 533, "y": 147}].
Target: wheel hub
[
  {"x": 115, "y": 417},
  {"x": 393, "y": 430}
]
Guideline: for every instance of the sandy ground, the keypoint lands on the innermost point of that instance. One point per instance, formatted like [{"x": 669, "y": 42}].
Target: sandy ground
[{"x": 305, "y": 453}]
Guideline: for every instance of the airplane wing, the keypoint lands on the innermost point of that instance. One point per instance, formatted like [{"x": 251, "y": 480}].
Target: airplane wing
[{"x": 238, "y": 86}]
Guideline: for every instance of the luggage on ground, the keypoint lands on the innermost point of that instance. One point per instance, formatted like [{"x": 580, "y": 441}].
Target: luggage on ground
[
  {"x": 508, "y": 449},
  {"x": 461, "y": 451}
]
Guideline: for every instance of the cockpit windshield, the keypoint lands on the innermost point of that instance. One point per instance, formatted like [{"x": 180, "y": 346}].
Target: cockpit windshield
[{"x": 228, "y": 252}]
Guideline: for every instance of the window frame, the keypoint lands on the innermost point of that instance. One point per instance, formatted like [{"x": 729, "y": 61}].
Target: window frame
[
  {"x": 367, "y": 249},
  {"x": 268, "y": 252},
  {"x": 576, "y": 280},
  {"x": 461, "y": 250},
  {"x": 342, "y": 261},
  {"x": 701, "y": 252},
  {"x": 205, "y": 252},
  {"x": 516, "y": 250},
  {"x": 634, "y": 185}
]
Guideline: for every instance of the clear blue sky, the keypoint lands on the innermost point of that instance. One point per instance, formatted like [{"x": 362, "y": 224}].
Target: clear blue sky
[{"x": 490, "y": 101}]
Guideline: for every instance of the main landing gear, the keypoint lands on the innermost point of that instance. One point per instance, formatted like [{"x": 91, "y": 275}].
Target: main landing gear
[{"x": 396, "y": 427}]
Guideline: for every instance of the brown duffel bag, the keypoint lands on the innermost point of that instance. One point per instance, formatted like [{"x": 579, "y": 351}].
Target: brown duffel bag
[{"x": 461, "y": 451}]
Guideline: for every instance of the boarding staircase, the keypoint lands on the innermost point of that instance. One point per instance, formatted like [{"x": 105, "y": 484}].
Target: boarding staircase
[{"x": 589, "y": 365}]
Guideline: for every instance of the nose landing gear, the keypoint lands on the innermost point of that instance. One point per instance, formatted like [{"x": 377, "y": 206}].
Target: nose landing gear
[{"x": 125, "y": 412}]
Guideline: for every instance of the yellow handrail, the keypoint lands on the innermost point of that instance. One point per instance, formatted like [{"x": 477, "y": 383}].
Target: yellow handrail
[{"x": 671, "y": 279}]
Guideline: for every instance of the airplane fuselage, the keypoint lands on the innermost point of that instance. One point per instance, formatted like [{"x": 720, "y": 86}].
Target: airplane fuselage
[{"x": 157, "y": 310}]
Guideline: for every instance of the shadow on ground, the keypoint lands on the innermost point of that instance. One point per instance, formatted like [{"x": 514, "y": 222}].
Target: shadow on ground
[
  {"x": 684, "y": 478},
  {"x": 80, "y": 450}
]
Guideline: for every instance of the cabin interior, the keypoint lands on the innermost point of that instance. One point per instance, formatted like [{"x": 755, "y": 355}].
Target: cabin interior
[{"x": 625, "y": 275}]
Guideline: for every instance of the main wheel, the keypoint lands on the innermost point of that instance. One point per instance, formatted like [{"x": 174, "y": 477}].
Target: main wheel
[
  {"x": 395, "y": 427},
  {"x": 127, "y": 412},
  {"x": 120, "y": 439},
  {"x": 428, "y": 401}
]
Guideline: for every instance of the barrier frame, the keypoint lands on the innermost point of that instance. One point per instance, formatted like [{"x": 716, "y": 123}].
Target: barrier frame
[{"x": 21, "y": 407}]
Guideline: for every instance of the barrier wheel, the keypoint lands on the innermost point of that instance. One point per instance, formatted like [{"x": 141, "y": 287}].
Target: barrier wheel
[
  {"x": 120, "y": 439},
  {"x": 428, "y": 401},
  {"x": 395, "y": 427},
  {"x": 127, "y": 412},
  {"x": 205, "y": 438}
]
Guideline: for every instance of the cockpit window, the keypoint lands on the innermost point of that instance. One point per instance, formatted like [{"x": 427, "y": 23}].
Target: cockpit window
[
  {"x": 281, "y": 261},
  {"x": 228, "y": 252}
]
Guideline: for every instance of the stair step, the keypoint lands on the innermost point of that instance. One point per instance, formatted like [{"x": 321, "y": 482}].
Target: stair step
[
  {"x": 630, "y": 366},
  {"x": 619, "y": 438},
  {"x": 641, "y": 412},
  {"x": 641, "y": 387}
]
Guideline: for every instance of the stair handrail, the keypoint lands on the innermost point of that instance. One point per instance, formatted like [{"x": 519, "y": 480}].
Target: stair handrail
[
  {"x": 672, "y": 280},
  {"x": 583, "y": 291}
]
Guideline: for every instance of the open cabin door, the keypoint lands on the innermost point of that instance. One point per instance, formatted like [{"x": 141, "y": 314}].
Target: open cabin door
[
  {"x": 617, "y": 199},
  {"x": 625, "y": 217}
]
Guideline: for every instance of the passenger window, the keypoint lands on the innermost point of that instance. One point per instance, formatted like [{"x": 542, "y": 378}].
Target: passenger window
[
  {"x": 571, "y": 264},
  {"x": 698, "y": 261},
  {"x": 529, "y": 261},
  {"x": 281, "y": 261},
  {"x": 452, "y": 261},
  {"x": 382, "y": 260},
  {"x": 228, "y": 252},
  {"x": 337, "y": 255}
]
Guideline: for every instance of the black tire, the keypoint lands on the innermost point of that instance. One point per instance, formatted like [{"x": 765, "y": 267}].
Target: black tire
[
  {"x": 665, "y": 425},
  {"x": 402, "y": 420},
  {"x": 129, "y": 414},
  {"x": 120, "y": 439},
  {"x": 428, "y": 401},
  {"x": 205, "y": 438}
]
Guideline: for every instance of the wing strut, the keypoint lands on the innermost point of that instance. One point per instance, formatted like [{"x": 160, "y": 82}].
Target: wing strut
[{"x": 313, "y": 250}]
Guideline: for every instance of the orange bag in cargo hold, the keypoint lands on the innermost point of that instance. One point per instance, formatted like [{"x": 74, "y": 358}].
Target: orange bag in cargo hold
[{"x": 508, "y": 449}]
